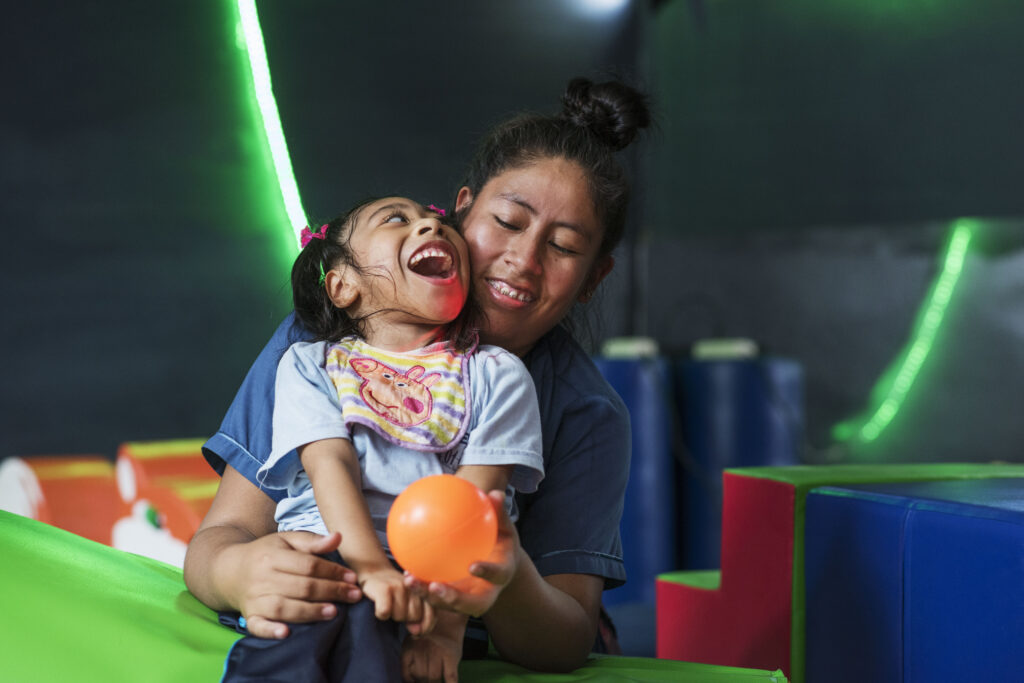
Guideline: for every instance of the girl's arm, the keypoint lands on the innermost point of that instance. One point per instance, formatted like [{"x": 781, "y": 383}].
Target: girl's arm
[
  {"x": 332, "y": 466},
  {"x": 236, "y": 561}
]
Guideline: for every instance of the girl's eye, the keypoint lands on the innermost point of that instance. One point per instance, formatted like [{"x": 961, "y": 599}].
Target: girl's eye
[
  {"x": 401, "y": 384},
  {"x": 396, "y": 217},
  {"x": 387, "y": 375}
]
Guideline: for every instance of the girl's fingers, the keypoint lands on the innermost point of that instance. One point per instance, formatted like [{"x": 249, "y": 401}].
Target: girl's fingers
[{"x": 382, "y": 606}]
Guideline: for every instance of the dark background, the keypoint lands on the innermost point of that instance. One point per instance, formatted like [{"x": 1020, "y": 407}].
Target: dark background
[{"x": 809, "y": 159}]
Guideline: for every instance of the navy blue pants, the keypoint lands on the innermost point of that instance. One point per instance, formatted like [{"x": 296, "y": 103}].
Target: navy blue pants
[{"x": 353, "y": 646}]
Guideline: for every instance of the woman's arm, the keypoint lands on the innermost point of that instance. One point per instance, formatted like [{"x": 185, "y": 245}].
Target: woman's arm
[
  {"x": 547, "y": 623},
  {"x": 544, "y": 623},
  {"x": 235, "y": 561}
]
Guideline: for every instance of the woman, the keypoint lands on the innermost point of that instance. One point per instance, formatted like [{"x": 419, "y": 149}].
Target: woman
[{"x": 542, "y": 209}]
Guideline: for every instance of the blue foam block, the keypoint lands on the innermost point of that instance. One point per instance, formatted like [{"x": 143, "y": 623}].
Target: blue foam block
[{"x": 915, "y": 582}]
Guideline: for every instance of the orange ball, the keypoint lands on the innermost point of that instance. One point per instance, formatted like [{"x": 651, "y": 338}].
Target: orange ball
[{"x": 439, "y": 525}]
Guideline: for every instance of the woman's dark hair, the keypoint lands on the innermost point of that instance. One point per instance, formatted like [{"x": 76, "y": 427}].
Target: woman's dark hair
[
  {"x": 317, "y": 312},
  {"x": 597, "y": 120}
]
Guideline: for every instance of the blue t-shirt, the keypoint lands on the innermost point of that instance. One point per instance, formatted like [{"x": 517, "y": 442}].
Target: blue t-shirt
[
  {"x": 502, "y": 427},
  {"x": 570, "y": 525}
]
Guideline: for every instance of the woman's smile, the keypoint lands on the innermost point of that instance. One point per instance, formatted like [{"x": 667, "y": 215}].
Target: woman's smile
[{"x": 504, "y": 291}]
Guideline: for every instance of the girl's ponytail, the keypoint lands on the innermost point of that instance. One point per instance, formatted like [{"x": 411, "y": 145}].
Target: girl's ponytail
[{"x": 323, "y": 249}]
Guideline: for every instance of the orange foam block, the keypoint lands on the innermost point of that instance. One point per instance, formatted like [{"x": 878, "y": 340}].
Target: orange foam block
[
  {"x": 173, "y": 476},
  {"x": 77, "y": 493}
]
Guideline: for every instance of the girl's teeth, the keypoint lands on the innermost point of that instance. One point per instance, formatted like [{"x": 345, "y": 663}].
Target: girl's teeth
[{"x": 431, "y": 253}]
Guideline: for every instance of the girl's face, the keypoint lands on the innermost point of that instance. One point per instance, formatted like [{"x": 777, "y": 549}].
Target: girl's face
[
  {"x": 533, "y": 240},
  {"x": 412, "y": 276}
]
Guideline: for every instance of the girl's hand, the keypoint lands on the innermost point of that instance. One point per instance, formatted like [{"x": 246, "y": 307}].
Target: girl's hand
[
  {"x": 435, "y": 657},
  {"x": 278, "y": 578},
  {"x": 393, "y": 600},
  {"x": 475, "y": 594}
]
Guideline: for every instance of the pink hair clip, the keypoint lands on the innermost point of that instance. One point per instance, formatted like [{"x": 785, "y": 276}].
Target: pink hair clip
[
  {"x": 306, "y": 235},
  {"x": 435, "y": 209}
]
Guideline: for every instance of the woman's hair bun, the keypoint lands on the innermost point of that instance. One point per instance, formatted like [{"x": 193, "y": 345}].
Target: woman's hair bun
[{"x": 612, "y": 111}]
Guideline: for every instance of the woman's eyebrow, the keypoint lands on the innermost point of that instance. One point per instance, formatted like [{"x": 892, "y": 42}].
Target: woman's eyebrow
[{"x": 520, "y": 201}]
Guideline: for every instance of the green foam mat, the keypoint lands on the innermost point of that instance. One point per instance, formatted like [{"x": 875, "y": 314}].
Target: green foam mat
[{"x": 76, "y": 610}]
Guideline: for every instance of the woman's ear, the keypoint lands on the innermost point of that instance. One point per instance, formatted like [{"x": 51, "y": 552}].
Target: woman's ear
[
  {"x": 341, "y": 286},
  {"x": 599, "y": 272},
  {"x": 463, "y": 199}
]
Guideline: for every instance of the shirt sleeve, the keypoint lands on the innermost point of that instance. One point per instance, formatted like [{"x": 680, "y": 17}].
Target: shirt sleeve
[
  {"x": 243, "y": 440},
  {"x": 505, "y": 427},
  {"x": 306, "y": 409},
  {"x": 571, "y": 525}
]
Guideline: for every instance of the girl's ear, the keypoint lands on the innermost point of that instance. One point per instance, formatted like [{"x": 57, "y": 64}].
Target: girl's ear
[
  {"x": 341, "y": 287},
  {"x": 597, "y": 273},
  {"x": 463, "y": 199}
]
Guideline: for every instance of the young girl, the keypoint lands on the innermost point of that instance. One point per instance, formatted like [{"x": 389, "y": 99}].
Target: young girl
[{"x": 394, "y": 389}]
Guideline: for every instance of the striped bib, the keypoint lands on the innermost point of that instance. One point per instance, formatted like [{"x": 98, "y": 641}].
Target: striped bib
[{"x": 416, "y": 399}]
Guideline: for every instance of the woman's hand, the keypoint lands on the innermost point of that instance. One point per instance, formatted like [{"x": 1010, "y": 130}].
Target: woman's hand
[
  {"x": 475, "y": 594},
  {"x": 279, "y": 578},
  {"x": 238, "y": 561}
]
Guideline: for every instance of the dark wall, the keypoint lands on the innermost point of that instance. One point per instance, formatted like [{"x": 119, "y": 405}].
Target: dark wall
[
  {"x": 146, "y": 255},
  {"x": 813, "y": 159},
  {"x": 825, "y": 112}
]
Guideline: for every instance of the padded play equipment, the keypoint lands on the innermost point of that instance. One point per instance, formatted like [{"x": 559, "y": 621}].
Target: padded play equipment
[
  {"x": 77, "y": 610},
  {"x": 150, "y": 503},
  {"x": 73, "y": 492},
  {"x": 915, "y": 582},
  {"x": 738, "y": 412},
  {"x": 173, "y": 476},
  {"x": 648, "y": 525},
  {"x": 751, "y": 612}
]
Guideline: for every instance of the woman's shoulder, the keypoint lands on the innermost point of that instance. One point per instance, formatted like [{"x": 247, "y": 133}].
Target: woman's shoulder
[{"x": 562, "y": 369}]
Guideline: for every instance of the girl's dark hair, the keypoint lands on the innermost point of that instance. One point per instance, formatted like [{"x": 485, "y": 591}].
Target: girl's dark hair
[
  {"x": 317, "y": 312},
  {"x": 597, "y": 120}
]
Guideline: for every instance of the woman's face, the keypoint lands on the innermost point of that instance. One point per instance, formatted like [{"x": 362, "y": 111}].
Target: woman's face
[{"x": 533, "y": 240}]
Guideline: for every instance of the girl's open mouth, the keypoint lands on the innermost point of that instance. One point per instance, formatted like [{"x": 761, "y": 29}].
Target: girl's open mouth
[{"x": 434, "y": 260}]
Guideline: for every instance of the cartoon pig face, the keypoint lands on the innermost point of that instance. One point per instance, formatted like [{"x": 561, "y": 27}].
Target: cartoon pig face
[{"x": 402, "y": 399}]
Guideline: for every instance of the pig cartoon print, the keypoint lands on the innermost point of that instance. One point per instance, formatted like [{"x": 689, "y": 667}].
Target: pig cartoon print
[{"x": 403, "y": 399}]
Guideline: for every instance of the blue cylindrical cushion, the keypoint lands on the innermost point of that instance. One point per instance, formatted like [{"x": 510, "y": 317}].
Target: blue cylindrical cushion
[
  {"x": 736, "y": 413},
  {"x": 648, "y": 524}
]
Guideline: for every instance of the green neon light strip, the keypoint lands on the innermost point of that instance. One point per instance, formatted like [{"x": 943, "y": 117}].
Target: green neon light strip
[
  {"x": 915, "y": 355},
  {"x": 264, "y": 92}
]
